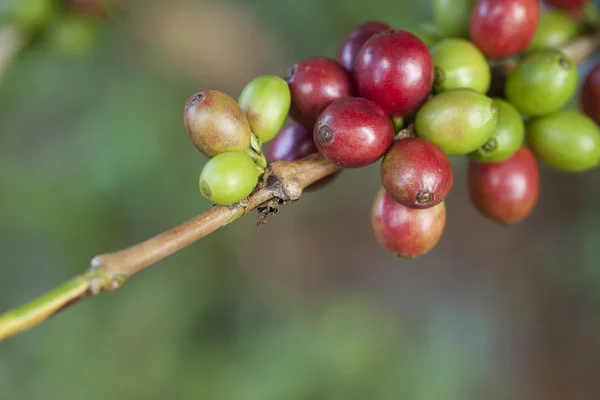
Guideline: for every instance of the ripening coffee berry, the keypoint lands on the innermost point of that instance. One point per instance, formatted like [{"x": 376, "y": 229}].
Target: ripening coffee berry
[
  {"x": 590, "y": 94},
  {"x": 314, "y": 84},
  {"x": 228, "y": 178},
  {"x": 567, "y": 141},
  {"x": 353, "y": 132},
  {"x": 452, "y": 16},
  {"x": 543, "y": 82},
  {"x": 506, "y": 191},
  {"x": 346, "y": 54},
  {"x": 416, "y": 173},
  {"x": 266, "y": 103},
  {"x": 216, "y": 123},
  {"x": 503, "y": 28},
  {"x": 459, "y": 64},
  {"x": 406, "y": 232},
  {"x": 507, "y": 137},
  {"x": 555, "y": 29},
  {"x": 395, "y": 70},
  {"x": 459, "y": 121},
  {"x": 567, "y": 4},
  {"x": 295, "y": 142}
]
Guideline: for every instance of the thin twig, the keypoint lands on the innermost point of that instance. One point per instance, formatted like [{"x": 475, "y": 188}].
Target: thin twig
[{"x": 283, "y": 183}]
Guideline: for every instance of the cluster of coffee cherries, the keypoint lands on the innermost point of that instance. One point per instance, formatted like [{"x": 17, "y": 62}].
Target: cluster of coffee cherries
[
  {"x": 68, "y": 27},
  {"x": 411, "y": 100}
]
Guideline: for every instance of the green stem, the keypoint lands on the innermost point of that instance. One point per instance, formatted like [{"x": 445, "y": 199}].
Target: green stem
[{"x": 258, "y": 158}]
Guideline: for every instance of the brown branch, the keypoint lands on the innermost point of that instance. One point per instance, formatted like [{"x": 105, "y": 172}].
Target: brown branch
[{"x": 283, "y": 183}]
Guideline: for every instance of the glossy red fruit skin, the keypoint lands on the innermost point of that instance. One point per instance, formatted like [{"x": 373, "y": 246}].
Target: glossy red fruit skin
[
  {"x": 503, "y": 28},
  {"x": 590, "y": 94},
  {"x": 406, "y": 232},
  {"x": 567, "y": 4},
  {"x": 416, "y": 173},
  {"x": 350, "y": 47},
  {"x": 353, "y": 132},
  {"x": 395, "y": 70},
  {"x": 314, "y": 84},
  {"x": 507, "y": 191},
  {"x": 292, "y": 143}
]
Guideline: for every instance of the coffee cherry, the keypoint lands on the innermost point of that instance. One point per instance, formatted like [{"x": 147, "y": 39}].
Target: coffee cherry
[
  {"x": 353, "y": 132},
  {"x": 459, "y": 121},
  {"x": 406, "y": 232},
  {"x": 395, "y": 70},
  {"x": 503, "y": 28},
  {"x": 295, "y": 142},
  {"x": 416, "y": 173},
  {"x": 428, "y": 33},
  {"x": 567, "y": 3},
  {"x": 459, "y": 64},
  {"x": 555, "y": 29},
  {"x": 543, "y": 82},
  {"x": 216, "y": 123},
  {"x": 566, "y": 140},
  {"x": 346, "y": 54},
  {"x": 266, "y": 103},
  {"x": 506, "y": 138},
  {"x": 228, "y": 178},
  {"x": 452, "y": 16},
  {"x": 507, "y": 191},
  {"x": 590, "y": 94},
  {"x": 72, "y": 36},
  {"x": 314, "y": 84}
]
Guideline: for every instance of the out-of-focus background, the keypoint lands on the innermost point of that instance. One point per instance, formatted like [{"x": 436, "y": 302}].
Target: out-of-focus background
[{"x": 94, "y": 157}]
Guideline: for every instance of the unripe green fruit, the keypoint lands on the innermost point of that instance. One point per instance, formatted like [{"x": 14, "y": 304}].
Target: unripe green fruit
[
  {"x": 228, "y": 178},
  {"x": 33, "y": 14},
  {"x": 459, "y": 121},
  {"x": 459, "y": 64},
  {"x": 453, "y": 16},
  {"x": 266, "y": 103},
  {"x": 568, "y": 141},
  {"x": 542, "y": 83},
  {"x": 554, "y": 29},
  {"x": 216, "y": 124},
  {"x": 72, "y": 36},
  {"x": 506, "y": 138},
  {"x": 428, "y": 33}
]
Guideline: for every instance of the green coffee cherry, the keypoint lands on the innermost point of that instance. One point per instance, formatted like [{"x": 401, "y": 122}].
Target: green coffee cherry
[
  {"x": 428, "y": 33},
  {"x": 266, "y": 102},
  {"x": 542, "y": 83},
  {"x": 216, "y": 124},
  {"x": 453, "y": 16},
  {"x": 33, "y": 14},
  {"x": 228, "y": 178},
  {"x": 568, "y": 141},
  {"x": 72, "y": 36},
  {"x": 506, "y": 138},
  {"x": 459, "y": 121},
  {"x": 555, "y": 28},
  {"x": 459, "y": 64},
  {"x": 398, "y": 123}
]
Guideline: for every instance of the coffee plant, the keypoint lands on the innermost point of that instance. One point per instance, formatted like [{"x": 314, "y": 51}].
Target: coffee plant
[{"x": 489, "y": 80}]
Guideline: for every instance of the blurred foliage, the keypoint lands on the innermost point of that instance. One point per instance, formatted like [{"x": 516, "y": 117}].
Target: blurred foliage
[{"x": 94, "y": 157}]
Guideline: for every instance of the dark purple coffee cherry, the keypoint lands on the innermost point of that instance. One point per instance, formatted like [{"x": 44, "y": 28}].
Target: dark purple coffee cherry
[
  {"x": 416, "y": 173},
  {"x": 353, "y": 132},
  {"x": 346, "y": 55},
  {"x": 314, "y": 84}
]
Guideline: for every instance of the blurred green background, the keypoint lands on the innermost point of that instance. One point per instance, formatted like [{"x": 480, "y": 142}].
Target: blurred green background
[{"x": 94, "y": 157}]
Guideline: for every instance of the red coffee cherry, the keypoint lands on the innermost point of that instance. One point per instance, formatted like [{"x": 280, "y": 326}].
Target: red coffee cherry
[
  {"x": 395, "y": 70},
  {"x": 346, "y": 55},
  {"x": 406, "y": 232},
  {"x": 507, "y": 191},
  {"x": 314, "y": 84},
  {"x": 353, "y": 132},
  {"x": 567, "y": 4},
  {"x": 416, "y": 173},
  {"x": 503, "y": 28},
  {"x": 590, "y": 94},
  {"x": 292, "y": 143}
]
